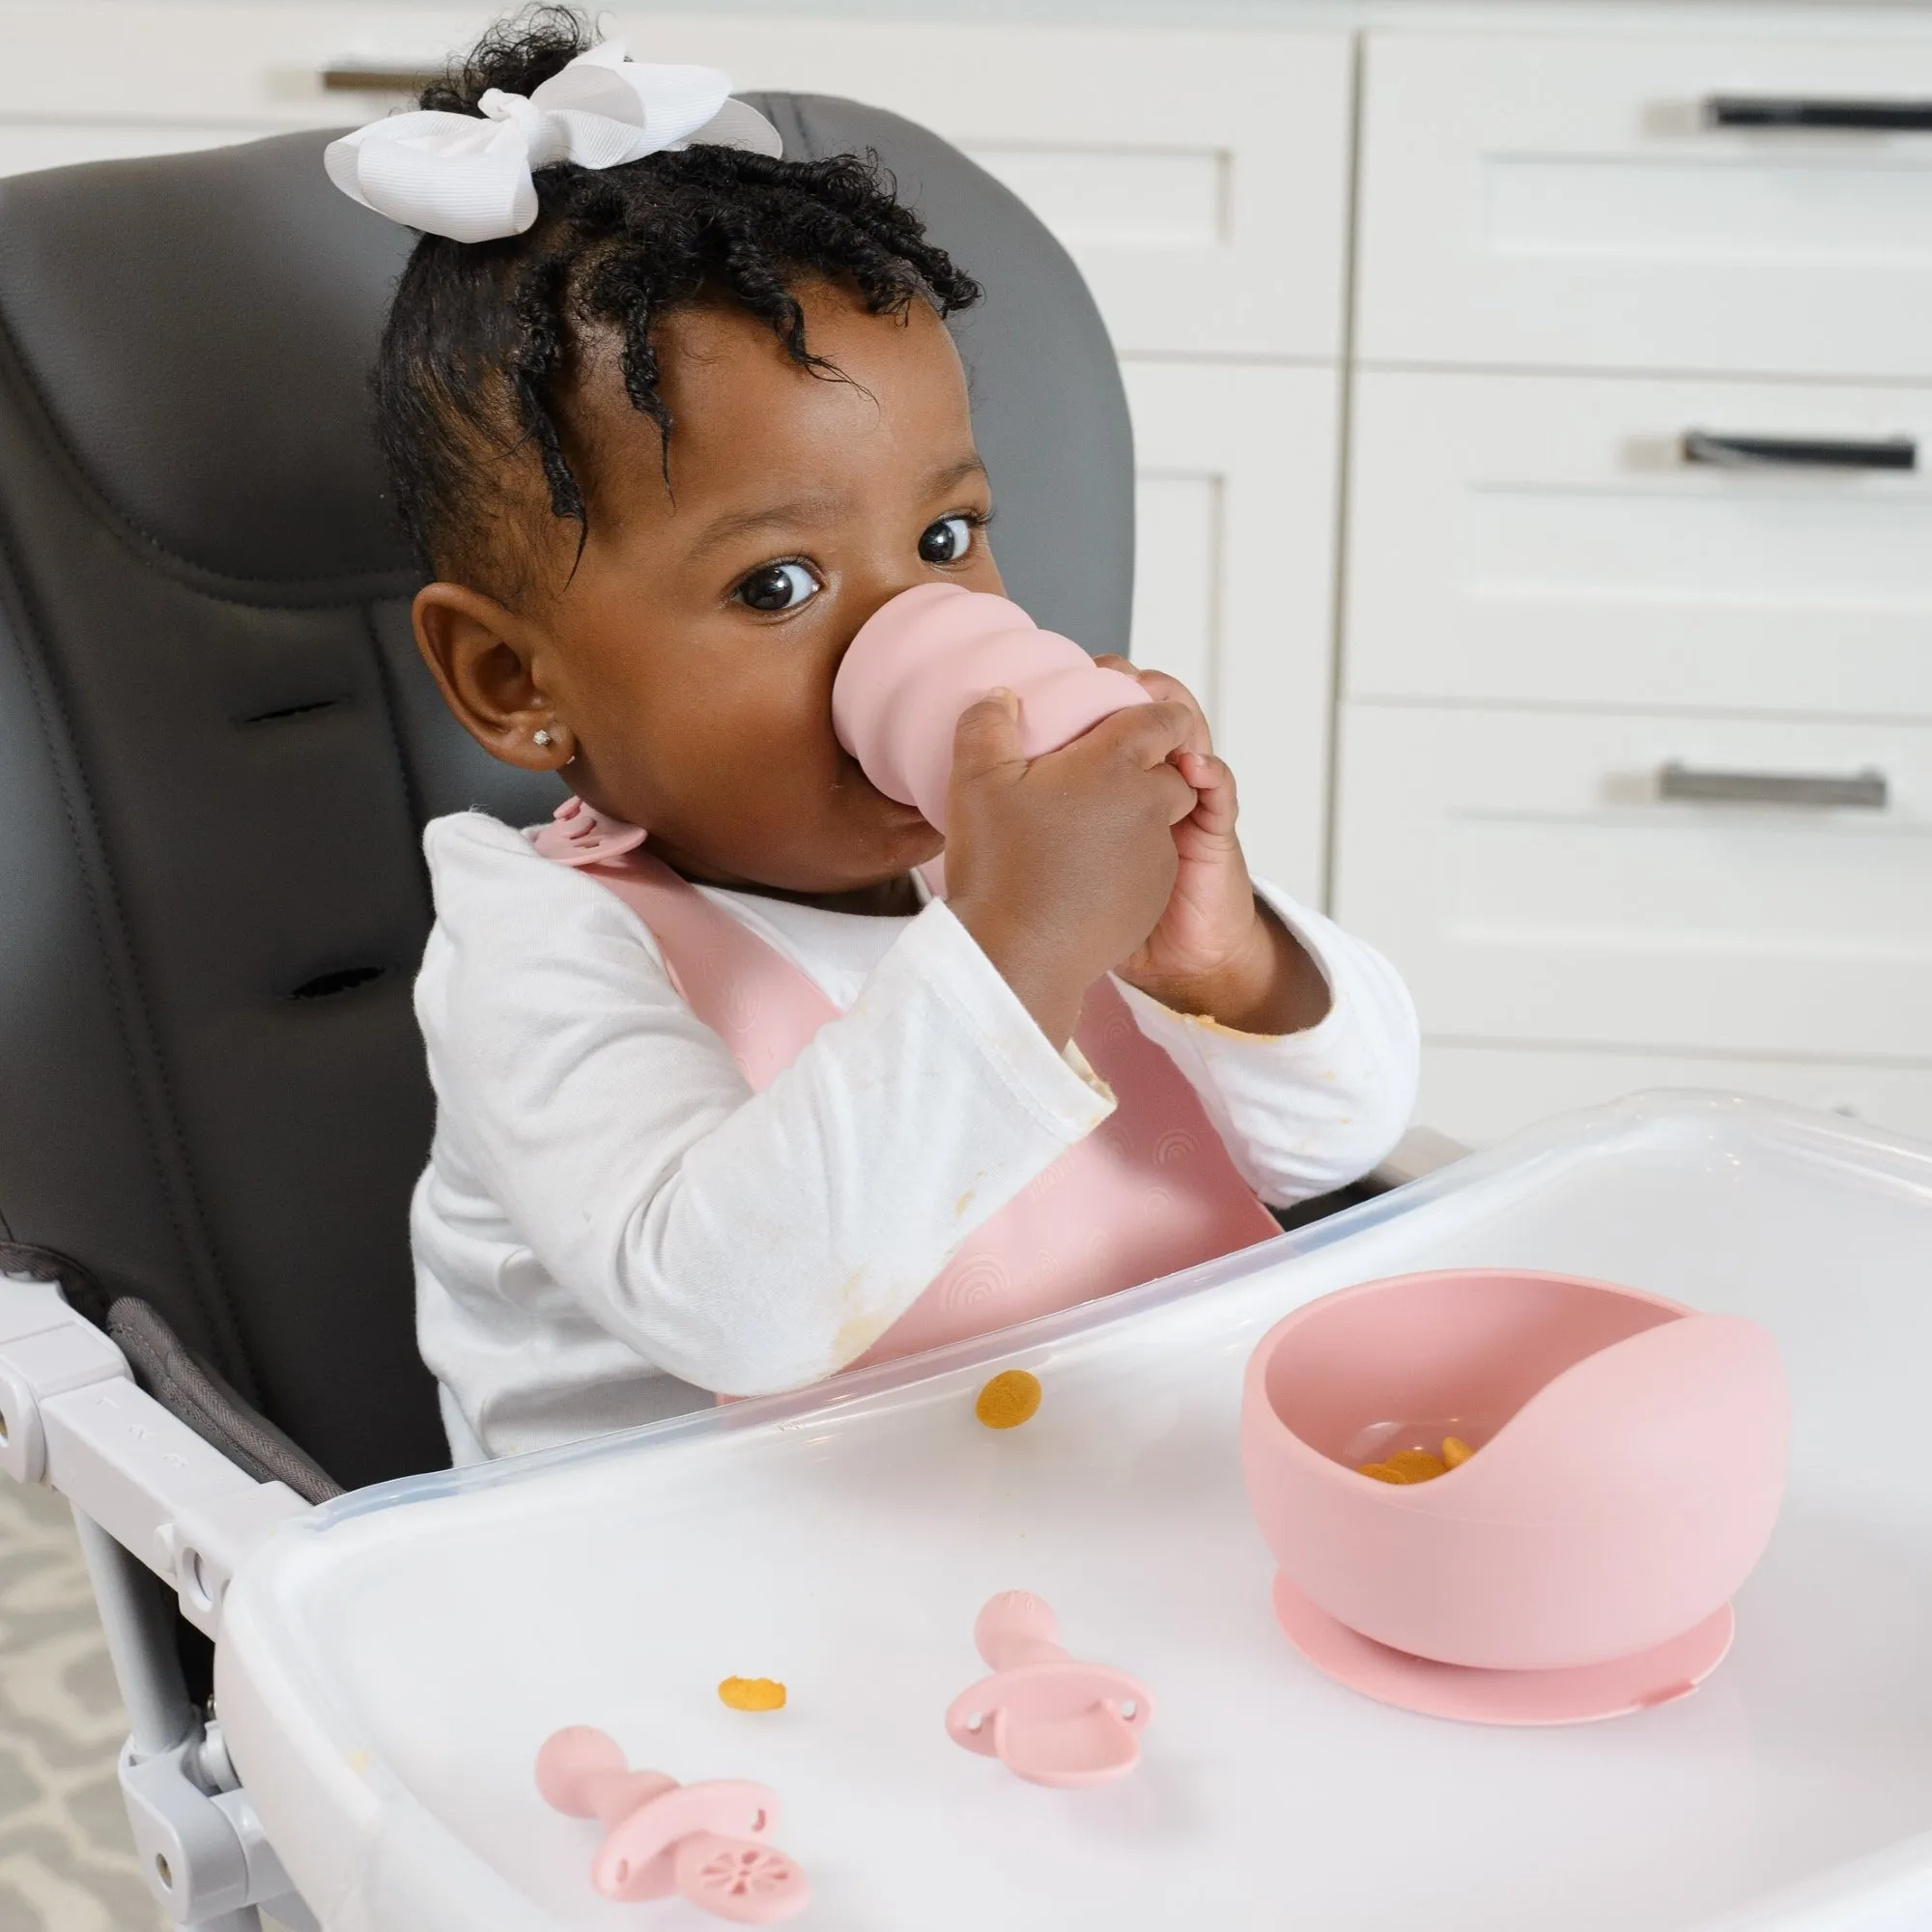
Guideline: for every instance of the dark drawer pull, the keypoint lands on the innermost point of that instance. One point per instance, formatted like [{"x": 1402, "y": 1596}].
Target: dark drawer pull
[
  {"x": 347, "y": 78},
  {"x": 1861, "y": 791},
  {"x": 1806, "y": 452},
  {"x": 1762, "y": 110}
]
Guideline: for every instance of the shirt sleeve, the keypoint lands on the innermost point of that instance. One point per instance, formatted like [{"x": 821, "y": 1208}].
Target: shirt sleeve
[
  {"x": 1304, "y": 1113},
  {"x": 743, "y": 1242}
]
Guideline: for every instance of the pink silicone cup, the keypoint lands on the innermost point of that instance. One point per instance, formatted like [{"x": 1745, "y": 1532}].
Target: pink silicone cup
[
  {"x": 1047, "y": 1719},
  {"x": 1629, "y": 1464},
  {"x": 925, "y": 657},
  {"x": 703, "y": 1840}
]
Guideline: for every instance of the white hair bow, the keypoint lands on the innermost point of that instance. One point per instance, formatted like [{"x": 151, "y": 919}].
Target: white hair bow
[{"x": 454, "y": 175}]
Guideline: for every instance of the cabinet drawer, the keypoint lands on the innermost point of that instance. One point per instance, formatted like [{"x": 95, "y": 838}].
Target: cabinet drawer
[
  {"x": 1546, "y": 539},
  {"x": 1607, "y": 880},
  {"x": 1554, "y": 201},
  {"x": 1198, "y": 176},
  {"x": 1479, "y": 1093}
]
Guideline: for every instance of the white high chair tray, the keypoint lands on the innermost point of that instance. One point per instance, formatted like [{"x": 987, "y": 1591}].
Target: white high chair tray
[{"x": 389, "y": 1665}]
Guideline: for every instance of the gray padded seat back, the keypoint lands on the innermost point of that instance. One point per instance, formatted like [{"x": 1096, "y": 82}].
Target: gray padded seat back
[{"x": 219, "y": 747}]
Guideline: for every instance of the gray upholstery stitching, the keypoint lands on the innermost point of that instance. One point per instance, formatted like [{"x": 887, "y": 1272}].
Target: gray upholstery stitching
[
  {"x": 341, "y": 591},
  {"x": 412, "y": 799},
  {"x": 177, "y": 1192}
]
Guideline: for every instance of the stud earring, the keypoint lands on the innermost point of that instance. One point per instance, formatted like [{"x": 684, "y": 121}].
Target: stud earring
[{"x": 543, "y": 738}]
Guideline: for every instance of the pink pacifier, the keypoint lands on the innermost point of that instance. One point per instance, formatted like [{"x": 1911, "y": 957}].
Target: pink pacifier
[
  {"x": 1046, "y": 1718},
  {"x": 923, "y": 657},
  {"x": 703, "y": 1840}
]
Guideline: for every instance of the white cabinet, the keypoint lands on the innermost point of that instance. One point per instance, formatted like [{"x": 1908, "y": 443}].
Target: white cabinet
[
  {"x": 1234, "y": 589},
  {"x": 1522, "y": 539},
  {"x": 1199, "y": 176},
  {"x": 1549, "y": 200},
  {"x": 1681, "y": 884},
  {"x": 103, "y": 79},
  {"x": 1635, "y": 770}
]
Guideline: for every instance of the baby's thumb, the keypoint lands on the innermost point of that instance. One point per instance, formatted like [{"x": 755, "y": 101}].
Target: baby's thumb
[{"x": 987, "y": 736}]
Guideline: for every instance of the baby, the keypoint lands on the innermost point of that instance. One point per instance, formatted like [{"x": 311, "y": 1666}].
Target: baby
[{"x": 670, "y": 417}]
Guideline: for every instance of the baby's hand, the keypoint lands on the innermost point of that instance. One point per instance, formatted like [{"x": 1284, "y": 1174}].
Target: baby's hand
[
  {"x": 1217, "y": 951},
  {"x": 1059, "y": 866}
]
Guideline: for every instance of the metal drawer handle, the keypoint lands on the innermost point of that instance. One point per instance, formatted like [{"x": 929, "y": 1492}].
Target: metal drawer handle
[
  {"x": 1765, "y": 110},
  {"x": 1862, "y": 791},
  {"x": 345, "y": 78},
  {"x": 1804, "y": 452}
]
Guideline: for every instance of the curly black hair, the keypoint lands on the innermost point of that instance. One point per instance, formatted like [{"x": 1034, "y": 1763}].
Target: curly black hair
[{"x": 483, "y": 338}]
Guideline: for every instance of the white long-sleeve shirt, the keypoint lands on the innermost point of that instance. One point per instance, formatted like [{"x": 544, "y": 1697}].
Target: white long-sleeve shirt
[{"x": 613, "y": 1224}]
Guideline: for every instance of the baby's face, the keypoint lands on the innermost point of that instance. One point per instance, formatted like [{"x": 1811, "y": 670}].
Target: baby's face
[{"x": 691, "y": 655}]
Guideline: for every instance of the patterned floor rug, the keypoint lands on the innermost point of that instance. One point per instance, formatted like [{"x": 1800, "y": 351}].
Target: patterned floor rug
[{"x": 67, "y": 1861}]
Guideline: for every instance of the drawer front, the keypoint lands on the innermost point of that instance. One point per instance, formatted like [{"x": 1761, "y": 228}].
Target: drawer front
[
  {"x": 1480, "y": 1094},
  {"x": 1552, "y": 201},
  {"x": 1692, "y": 885},
  {"x": 1200, "y": 178},
  {"x": 1619, "y": 541},
  {"x": 1233, "y": 582}
]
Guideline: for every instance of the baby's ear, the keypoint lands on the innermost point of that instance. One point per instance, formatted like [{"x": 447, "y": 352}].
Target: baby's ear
[{"x": 481, "y": 655}]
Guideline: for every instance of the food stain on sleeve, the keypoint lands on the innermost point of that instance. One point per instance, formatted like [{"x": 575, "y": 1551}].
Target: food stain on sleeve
[{"x": 860, "y": 1327}]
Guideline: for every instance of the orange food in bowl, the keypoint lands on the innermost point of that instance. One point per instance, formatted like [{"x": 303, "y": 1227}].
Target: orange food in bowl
[{"x": 1418, "y": 1466}]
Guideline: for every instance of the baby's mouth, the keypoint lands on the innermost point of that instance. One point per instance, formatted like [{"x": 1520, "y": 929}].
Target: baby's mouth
[{"x": 905, "y": 818}]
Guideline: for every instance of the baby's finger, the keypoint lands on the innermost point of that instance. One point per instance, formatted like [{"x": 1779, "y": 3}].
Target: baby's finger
[
  {"x": 1179, "y": 797},
  {"x": 987, "y": 737},
  {"x": 1213, "y": 782},
  {"x": 1159, "y": 685},
  {"x": 1151, "y": 733}
]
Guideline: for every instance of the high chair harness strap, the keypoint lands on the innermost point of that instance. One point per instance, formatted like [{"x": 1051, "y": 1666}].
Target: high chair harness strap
[{"x": 1149, "y": 1192}]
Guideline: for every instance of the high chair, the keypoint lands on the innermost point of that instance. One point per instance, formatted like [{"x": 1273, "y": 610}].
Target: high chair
[{"x": 217, "y": 751}]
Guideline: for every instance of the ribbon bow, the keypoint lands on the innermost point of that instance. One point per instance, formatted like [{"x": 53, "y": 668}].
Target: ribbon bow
[{"x": 469, "y": 179}]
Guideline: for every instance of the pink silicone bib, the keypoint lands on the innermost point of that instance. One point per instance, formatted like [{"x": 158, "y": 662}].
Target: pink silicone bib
[{"x": 1150, "y": 1192}]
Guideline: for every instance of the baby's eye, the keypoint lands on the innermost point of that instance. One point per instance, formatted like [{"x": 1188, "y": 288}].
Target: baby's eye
[
  {"x": 778, "y": 586},
  {"x": 947, "y": 541}
]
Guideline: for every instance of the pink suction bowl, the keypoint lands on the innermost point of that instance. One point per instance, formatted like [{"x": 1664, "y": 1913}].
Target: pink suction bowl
[
  {"x": 1631, "y": 1460},
  {"x": 921, "y": 659}
]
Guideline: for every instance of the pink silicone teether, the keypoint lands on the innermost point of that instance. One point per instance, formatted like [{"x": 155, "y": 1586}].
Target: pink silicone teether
[
  {"x": 1044, "y": 1717},
  {"x": 922, "y": 658},
  {"x": 703, "y": 1840}
]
